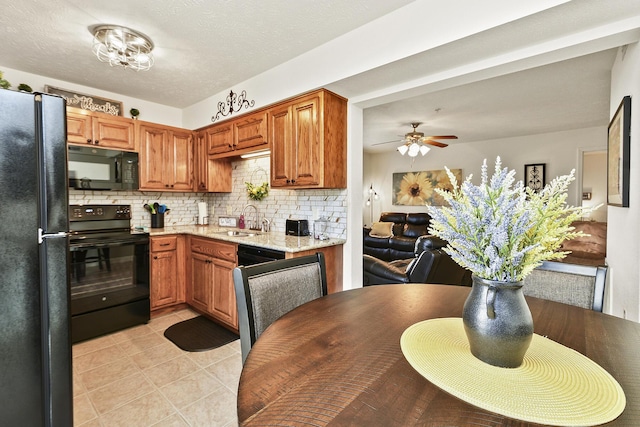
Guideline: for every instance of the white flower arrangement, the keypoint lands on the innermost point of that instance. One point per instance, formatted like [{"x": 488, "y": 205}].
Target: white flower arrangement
[{"x": 500, "y": 231}]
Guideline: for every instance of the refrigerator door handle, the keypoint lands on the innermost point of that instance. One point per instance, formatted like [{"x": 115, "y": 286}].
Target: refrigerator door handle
[{"x": 42, "y": 235}]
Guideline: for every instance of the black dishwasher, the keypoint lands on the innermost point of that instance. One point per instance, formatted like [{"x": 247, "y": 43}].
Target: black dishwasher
[{"x": 250, "y": 255}]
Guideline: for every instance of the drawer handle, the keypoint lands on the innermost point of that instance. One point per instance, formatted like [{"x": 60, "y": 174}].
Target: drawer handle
[{"x": 165, "y": 244}]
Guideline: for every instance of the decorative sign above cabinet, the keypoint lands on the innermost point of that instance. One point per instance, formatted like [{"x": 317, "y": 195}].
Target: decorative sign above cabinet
[{"x": 87, "y": 102}]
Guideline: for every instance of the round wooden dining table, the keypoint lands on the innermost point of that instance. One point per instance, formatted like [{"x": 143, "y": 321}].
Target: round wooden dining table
[{"x": 337, "y": 360}]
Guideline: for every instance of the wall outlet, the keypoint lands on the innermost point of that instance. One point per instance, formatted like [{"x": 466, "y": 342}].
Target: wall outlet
[{"x": 229, "y": 210}]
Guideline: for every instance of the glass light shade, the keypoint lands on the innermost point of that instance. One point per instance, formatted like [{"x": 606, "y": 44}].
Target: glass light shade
[
  {"x": 122, "y": 46},
  {"x": 424, "y": 150},
  {"x": 414, "y": 149},
  {"x": 403, "y": 149}
]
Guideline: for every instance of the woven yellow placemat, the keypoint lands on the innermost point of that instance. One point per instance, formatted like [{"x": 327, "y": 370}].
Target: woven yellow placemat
[{"x": 555, "y": 385}]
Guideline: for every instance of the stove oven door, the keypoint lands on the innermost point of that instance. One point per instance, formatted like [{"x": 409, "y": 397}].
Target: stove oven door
[{"x": 109, "y": 285}]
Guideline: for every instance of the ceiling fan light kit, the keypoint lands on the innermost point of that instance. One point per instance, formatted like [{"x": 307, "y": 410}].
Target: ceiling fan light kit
[
  {"x": 416, "y": 143},
  {"x": 122, "y": 46}
]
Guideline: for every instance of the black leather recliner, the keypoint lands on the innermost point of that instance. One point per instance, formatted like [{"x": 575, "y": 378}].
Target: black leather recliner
[{"x": 431, "y": 264}]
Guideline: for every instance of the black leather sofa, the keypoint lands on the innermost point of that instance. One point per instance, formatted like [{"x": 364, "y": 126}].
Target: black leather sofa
[
  {"x": 407, "y": 227},
  {"x": 430, "y": 264}
]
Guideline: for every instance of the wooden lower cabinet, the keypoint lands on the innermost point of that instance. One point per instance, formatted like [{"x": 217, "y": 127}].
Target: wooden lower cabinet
[
  {"x": 200, "y": 285},
  {"x": 210, "y": 286},
  {"x": 199, "y": 271},
  {"x": 167, "y": 271},
  {"x": 223, "y": 302},
  {"x": 333, "y": 265}
]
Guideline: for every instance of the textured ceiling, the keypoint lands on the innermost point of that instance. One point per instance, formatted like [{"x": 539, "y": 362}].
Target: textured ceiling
[
  {"x": 566, "y": 95},
  {"x": 202, "y": 47}
]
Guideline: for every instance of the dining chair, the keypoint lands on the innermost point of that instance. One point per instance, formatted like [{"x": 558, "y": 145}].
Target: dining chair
[
  {"x": 267, "y": 291},
  {"x": 573, "y": 284}
]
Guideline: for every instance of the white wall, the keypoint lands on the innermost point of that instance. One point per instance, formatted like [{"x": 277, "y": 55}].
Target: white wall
[
  {"x": 149, "y": 111},
  {"x": 623, "y": 230},
  {"x": 560, "y": 152},
  {"x": 375, "y": 44},
  {"x": 594, "y": 181}
]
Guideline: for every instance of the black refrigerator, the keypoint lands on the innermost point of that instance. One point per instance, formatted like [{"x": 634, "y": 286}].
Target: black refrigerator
[{"x": 35, "y": 345}]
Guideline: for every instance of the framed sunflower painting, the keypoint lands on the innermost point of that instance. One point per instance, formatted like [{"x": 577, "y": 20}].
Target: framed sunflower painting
[{"x": 417, "y": 188}]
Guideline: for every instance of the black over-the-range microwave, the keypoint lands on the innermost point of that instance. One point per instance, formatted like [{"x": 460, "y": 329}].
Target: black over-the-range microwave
[{"x": 92, "y": 168}]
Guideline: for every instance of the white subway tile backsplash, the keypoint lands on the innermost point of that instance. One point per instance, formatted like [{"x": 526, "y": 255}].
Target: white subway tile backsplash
[{"x": 277, "y": 206}]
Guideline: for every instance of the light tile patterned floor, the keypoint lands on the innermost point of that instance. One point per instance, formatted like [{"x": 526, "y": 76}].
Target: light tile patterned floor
[{"x": 138, "y": 378}]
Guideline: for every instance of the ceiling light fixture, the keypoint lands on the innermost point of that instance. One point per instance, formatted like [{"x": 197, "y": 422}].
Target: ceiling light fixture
[
  {"x": 122, "y": 46},
  {"x": 413, "y": 143}
]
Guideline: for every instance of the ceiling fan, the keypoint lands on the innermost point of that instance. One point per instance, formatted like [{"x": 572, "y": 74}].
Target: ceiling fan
[{"x": 415, "y": 142}]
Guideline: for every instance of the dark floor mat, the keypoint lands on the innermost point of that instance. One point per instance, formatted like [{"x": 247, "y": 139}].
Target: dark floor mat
[{"x": 199, "y": 334}]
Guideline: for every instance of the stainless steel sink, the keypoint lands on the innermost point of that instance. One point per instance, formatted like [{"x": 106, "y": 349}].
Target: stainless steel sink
[{"x": 235, "y": 233}]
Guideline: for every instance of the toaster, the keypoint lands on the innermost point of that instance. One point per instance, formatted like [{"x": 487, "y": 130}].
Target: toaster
[{"x": 297, "y": 227}]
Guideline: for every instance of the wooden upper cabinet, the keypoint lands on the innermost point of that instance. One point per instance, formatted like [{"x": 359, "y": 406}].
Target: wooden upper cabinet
[
  {"x": 166, "y": 158},
  {"x": 250, "y": 131},
  {"x": 281, "y": 143},
  {"x": 237, "y": 136},
  {"x": 305, "y": 156},
  {"x": 85, "y": 127},
  {"x": 308, "y": 142},
  {"x": 211, "y": 175},
  {"x": 79, "y": 128},
  {"x": 219, "y": 138},
  {"x": 200, "y": 162},
  {"x": 181, "y": 159},
  {"x": 153, "y": 145}
]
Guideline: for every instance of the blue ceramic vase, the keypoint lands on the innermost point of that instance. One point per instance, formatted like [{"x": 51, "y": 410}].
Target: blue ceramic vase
[{"x": 498, "y": 322}]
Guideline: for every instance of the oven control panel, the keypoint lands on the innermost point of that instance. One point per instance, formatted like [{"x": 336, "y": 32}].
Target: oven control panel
[{"x": 99, "y": 212}]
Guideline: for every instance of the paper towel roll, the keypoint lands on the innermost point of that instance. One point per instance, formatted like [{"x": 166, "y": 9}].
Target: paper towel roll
[{"x": 203, "y": 216}]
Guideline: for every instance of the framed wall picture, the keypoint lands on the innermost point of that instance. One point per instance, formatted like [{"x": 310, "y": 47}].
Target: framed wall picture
[
  {"x": 418, "y": 188},
  {"x": 534, "y": 176},
  {"x": 618, "y": 160}
]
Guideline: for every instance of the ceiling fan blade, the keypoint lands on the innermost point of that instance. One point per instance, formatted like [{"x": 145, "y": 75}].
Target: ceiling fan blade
[
  {"x": 387, "y": 142},
  {"x": 435, "y": 143},
  {"x": 440, "y": 137}
]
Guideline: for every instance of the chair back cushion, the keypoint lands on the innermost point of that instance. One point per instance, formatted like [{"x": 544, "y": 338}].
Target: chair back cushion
[
  {"x": 277, "y": 293},
  {"x": 572, "y": 284},
  {"x": 265, "y": 292}
]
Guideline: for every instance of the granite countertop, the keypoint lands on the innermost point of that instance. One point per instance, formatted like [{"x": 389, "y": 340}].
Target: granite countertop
[{"x": 273, "y": 240}]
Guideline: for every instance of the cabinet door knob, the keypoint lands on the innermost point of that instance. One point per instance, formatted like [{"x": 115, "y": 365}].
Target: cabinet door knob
[
  {"x": 89, "y": 141},
  {"x": 155, "y": 257},
  {"x": 97, "y": 142}
]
